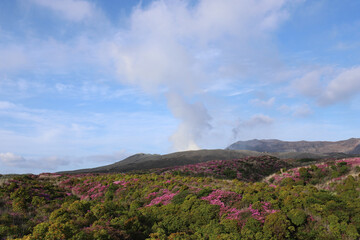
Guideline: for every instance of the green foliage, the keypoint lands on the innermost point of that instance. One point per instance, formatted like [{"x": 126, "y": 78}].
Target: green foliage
[
  {"x": 180, "y": 198},
  {"x": 230, "y": 173},
  {"x": 204, "y": 192},
  {"x": 297, "y": 216},
  {"x": 169, "y": 206},
  {"x": 304, "y": 174},
  {"x": 306, "y": 160},
  {"x": 252, "y": 230},
  {"x": 277, "y": 226}
]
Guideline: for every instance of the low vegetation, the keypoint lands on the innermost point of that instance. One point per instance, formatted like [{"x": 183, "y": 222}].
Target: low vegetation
[{"x": 212, "y": 200}]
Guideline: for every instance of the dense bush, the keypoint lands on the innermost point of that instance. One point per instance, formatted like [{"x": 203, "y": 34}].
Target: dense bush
[{"x": 169, "y": 205}]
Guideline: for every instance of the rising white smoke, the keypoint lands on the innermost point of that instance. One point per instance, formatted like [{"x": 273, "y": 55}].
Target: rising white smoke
[{"x": 194, "y": 121}]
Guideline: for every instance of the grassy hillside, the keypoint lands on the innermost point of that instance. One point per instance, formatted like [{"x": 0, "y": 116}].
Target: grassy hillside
[
  {"x": 204, "y": 201},
  {"x": 243, "y": 169},
  {"x": 143, "y": 161}
]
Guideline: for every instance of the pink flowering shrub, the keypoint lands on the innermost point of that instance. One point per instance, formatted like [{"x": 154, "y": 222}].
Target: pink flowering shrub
[
  {"x": 225, "y": 199},
  {"x": 121, "y": 182},
  {"x": 220, "y": 197},
  {"x": 85, "y": 189},
  {"x": 351, "y": 161},
  {"x": 321, "y": 172},
  {"x": 261, "y": 212},
  {"x": 236, "y": 214},
  {"x": 164, "y": 197}
]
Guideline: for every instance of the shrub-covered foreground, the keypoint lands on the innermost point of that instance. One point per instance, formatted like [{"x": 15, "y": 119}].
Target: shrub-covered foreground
[{"x": 314, "y": 202}]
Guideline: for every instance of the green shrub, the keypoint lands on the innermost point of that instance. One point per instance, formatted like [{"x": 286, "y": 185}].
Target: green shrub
[
  {"x": 180, "y": 198},
  {"x": 297, "y": 216},
  {"x": 204, "y": 192}
]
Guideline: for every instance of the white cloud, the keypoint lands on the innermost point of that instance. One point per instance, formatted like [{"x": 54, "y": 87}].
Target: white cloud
[
  {"x": 256, "y": 122},
  {"x": 212, "y": 19},
  {"x": 63, "y": 87},
  {"x": 73, "y": 10},
  {"x": 51, "y": 163},
  {"x": 241, "y": 92},
  {"x": 7, "y": 105},
  {"x": 41, "y": 132},
  {"x": 10, "y": 159},
  {"x": 329, "y": 85},
  {"x": 178, "y": 46},
  {"x": 263, "y": 103},
  {"x": 17, "y": 87},
  {"x": 165, "y": 40},
  {"x": 12, "y": 163},
  {"x": 303, "y": 110},
  {"x": 105, "y": 158},
  {"x": 344, "y": 46},
  {"x": 49, "y": 56},
  {"x": 12, "y": 58},
  {"x": 309, "y": 84},
  {"x": 169, "y": 46},
  {"x": 343, "y": 87}
]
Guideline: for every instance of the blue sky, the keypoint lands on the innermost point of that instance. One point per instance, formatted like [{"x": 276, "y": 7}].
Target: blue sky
[{"x": 85, "y": 83}]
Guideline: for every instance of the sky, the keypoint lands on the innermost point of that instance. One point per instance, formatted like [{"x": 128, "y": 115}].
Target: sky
[{"x": 85, "y": 83}]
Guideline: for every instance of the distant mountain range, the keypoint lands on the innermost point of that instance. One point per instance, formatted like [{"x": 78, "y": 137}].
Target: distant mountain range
[
  {"x": 350, "y": 146},
  {"x": 291, "y": 151}
]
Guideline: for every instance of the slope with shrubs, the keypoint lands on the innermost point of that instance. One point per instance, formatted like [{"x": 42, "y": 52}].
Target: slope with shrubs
[
  {"x": 321, "y": 175},
  {"x": 171, "y": 204},
  {"x": 245, "y": 169}
]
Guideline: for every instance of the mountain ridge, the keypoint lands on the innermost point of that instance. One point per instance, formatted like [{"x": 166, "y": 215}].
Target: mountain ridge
[
  {"x": 293, "y": 151},
  {"x": 142, "y": 161},
  {"x": 150, "y": 161},
  {"x": 349, "y": 146}
]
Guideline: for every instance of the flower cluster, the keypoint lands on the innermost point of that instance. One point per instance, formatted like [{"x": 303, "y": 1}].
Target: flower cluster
[
  {"x": 86, "y": 189},
  {"x": 225, "y": 199},
  {"x": 351, "y": 161},
  {"x": 121, "y": 182},
  {"x": 293, "y": 174},
  {"x": 165, "y": 197},
  {"x": 260, "y": 213},
  {"x": 219, "y": 197},
  {"x": 329, "y": 170}
]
